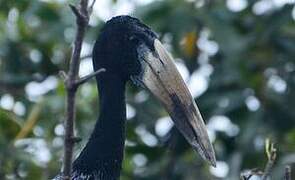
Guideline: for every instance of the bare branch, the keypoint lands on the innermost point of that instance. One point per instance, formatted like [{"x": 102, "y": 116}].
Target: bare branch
[
  {"x": 31, "y": 121},
  {"x": 82, "y": 19},
  {"x": 86, "y": 78},
  {"x": 75, "y": 11},
  {"x": 76, "y": 139},
  {"x": 91, "y": 7},
  {"x": 63, "y": 75},
  {"x": 86, "y": 56},
  {"x": 271, "y": 152}
]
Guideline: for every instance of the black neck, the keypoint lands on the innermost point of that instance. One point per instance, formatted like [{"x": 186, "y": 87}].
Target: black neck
[{"x": 103, "y": 153}]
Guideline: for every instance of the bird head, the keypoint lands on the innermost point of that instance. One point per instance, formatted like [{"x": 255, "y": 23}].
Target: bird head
[
  {"x": 117, "y": 47},
  {"x": 131, "y": 50}
]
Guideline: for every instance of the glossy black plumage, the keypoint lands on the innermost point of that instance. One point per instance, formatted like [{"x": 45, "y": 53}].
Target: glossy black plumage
[
  {"x": 129, "y": 50},
  {"x": 115, "y": 50}
]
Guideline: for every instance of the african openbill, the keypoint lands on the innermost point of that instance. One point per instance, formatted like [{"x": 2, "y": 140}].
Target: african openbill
[{"x": 130, "y": 50}]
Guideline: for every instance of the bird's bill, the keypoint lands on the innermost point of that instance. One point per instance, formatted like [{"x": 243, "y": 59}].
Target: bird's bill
[{"x": 163, "y": 80}]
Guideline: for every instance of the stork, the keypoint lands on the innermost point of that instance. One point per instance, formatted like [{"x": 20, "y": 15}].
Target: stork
[{"x": 131, "y": 51}]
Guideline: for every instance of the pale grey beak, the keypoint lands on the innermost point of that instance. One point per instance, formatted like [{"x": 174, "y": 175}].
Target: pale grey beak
[{"x": 163, "y": 80}]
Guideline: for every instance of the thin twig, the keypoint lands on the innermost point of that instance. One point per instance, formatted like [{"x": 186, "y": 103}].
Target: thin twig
[
  {"x": 75, "y": 11},
  {"x": 31, "y": 121},
  {"x": 86, "y": 78},
  {"x": 86, "y": 56},
  {"x": 271, "y": 153},
  {"x": 82, "y": 19},
  {"x": 91, "y": 6},
  {"x": 63, "y": 75},
  {"x": 288, "y": 173}
]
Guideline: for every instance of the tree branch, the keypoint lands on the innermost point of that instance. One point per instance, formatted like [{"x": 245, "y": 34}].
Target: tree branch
[
  {"x": 86, "y": 56},
  {"x": 91, "y": 6},
  {"x": 82, "y": 19},
  {"x": 271, "y": 153},
  {"x": 86, "y": 78}
]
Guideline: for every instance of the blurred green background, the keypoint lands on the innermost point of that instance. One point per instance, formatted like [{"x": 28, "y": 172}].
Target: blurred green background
[{"x": 237, "y": 57}]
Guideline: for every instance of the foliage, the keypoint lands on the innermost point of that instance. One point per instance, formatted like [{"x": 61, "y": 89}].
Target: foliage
[{"x": 241, "y": 70}]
